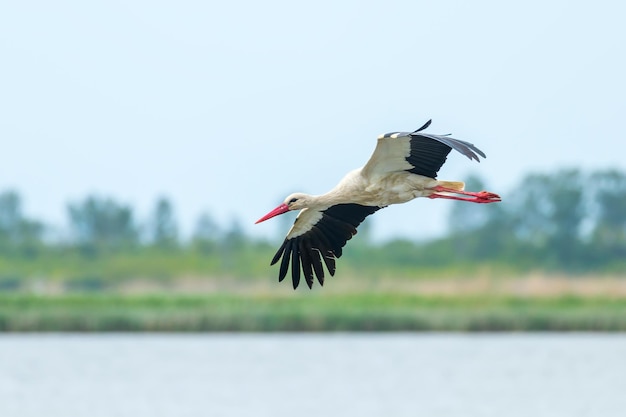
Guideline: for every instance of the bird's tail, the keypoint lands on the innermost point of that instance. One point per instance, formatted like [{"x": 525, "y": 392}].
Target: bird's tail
[{"x": 452, "y": 185}]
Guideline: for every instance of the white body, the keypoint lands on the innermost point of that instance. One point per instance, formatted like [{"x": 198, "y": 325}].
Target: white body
[{"x": 383, "y": 181}]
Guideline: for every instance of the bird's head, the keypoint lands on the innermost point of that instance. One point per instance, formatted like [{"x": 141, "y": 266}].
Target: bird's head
[{"x": 295, "y": 201}]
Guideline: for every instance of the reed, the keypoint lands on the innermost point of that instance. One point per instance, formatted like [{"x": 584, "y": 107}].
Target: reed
[{"x": 311, "y": 312}]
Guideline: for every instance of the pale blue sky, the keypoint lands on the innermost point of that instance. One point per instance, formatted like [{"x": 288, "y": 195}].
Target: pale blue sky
[{"x": 229, "y": 106}]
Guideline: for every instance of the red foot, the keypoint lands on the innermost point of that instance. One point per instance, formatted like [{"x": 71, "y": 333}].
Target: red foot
[{"x": 482, "y": 197}]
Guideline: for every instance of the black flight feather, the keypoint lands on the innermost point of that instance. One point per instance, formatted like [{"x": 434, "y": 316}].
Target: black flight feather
[
  {"x": 323, "y": 242},
  {"x": 295, "y": 265},
  {"x": 429, "y": 152},
  {"x": 424, "y": 127}
]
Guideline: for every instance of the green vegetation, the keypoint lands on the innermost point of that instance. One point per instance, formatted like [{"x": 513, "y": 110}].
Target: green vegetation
[
  {"x": 565, "y": 221},
  {"x": 335, "y": 312},
  {"x": 110, "y": 271}
]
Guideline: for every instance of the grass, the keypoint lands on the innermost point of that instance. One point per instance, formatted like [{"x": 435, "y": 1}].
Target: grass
[{"x": 309, "y": 312}]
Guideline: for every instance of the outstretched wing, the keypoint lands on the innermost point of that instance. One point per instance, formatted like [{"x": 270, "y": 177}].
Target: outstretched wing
[
  {"x": 316, "y": 236},
  {"x": 416, "y": 152}
]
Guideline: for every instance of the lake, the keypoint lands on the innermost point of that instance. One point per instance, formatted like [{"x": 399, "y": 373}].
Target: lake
[{"x": 151, "y": 375}]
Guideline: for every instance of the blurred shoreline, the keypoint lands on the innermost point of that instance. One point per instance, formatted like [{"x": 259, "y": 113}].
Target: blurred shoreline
[
  {"x": 532, "y": 285},
  {"x": 527, "y": 303}
]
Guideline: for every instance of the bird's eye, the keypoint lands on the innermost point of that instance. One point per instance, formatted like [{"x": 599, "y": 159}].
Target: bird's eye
[{"x": 293, "y": 200}]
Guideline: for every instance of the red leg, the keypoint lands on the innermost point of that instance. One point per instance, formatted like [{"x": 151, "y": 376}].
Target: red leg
[
  {"x": 479, "y": 197},
  {"x": 481, "y": 194}
]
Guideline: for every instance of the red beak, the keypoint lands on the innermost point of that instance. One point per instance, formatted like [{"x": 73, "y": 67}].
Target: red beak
[{"x": 283, "y": 208}]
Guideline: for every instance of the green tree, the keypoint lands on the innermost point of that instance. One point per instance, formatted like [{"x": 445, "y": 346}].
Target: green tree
[
  {"x": 478, "y": 231},
  {"x": 465, "y": 217},
  {"x": 102, "y": 224},
  {"x": 530, "y": 210},
  {"x": 609, "y": 233},
  {"x": 234, "y": 238},
  {"x": 567, "y": 213},
  {"x": 206, "y": 234},
  {"x": 163, "y": 225},
  {"x": 17, "y": 231},
  {"x": 547, "y": 214},
  {"x": 233, "y": 244}
]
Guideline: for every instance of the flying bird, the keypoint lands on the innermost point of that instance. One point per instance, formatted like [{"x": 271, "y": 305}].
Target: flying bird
[{"x": 404, "y": 166}]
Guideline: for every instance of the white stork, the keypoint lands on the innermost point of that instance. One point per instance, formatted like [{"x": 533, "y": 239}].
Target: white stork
[{"x": 404, "y": 166}]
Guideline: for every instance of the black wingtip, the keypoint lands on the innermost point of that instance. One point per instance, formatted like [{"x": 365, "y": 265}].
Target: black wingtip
[
  {"x": 425, "y": 126},
  {"x": 295, "y": 266}
]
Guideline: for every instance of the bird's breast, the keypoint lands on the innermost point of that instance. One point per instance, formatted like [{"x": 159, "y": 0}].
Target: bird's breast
[{"x": 397, "y": 188}]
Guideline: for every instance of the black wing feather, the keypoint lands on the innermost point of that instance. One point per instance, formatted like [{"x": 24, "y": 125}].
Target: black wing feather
[
  {"x": 316, "y": 262},
  {"x": 295, "y": 265},
  {"x": 284, "y": 265},
  {"x": 424, "y": 126},
  {"x": 278, "y": 253},
  {"x": 327, "y": 255},
  {"x": 429, "y": 152},
  {"x": 306, "y": 260},
  {"x": 427, "y": 155},
  {"x": 326, "y": 238}
]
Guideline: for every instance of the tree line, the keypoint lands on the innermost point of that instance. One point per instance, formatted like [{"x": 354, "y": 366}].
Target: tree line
[
  {"x": 568, "y": 220},
  {"x": 100, "y": 224}
]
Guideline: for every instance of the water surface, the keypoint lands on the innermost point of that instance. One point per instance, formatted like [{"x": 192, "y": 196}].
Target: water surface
[{"x": 312, "y": 375}]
